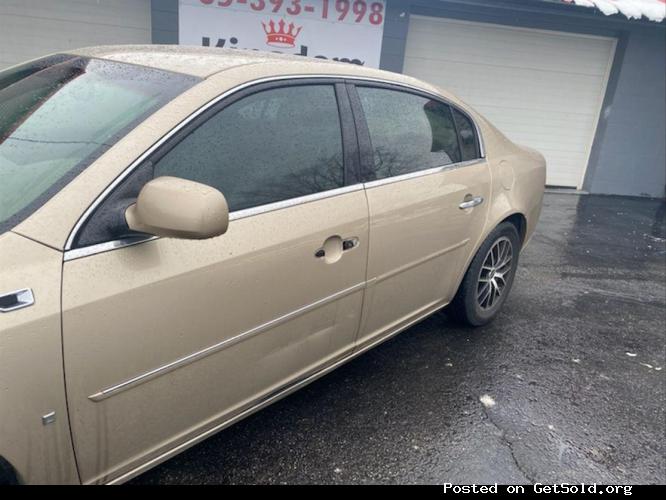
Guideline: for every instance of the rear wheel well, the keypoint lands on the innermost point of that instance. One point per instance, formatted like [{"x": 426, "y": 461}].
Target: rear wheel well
[
  {"x": 520, "y": 222},
  {"x": 8, "y": 475}
]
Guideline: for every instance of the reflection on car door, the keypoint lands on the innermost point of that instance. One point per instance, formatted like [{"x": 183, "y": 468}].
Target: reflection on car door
[
  {"x": 167, "y": 339},
  {"x": 417, "y": 178}
]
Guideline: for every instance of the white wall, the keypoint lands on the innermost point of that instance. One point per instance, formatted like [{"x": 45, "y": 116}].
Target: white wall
[{"x": 33, "y": 28}]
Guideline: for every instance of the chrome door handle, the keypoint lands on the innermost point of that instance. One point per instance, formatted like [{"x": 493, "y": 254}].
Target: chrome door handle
[
  {"x": 471, "y": 203},
  {"x": 16, "y": 300}
]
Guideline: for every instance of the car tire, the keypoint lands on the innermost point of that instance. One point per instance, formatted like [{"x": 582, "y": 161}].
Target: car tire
[
  {"x": 489, "y": 278},
  {"x": 7, "y": 474}
]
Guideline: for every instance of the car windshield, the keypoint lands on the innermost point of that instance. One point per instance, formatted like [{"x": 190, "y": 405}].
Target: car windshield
[{"x": 60, "y": 113}]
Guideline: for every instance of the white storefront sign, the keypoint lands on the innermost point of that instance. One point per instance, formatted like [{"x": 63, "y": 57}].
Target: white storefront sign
[{"x": 343, "y": 30}]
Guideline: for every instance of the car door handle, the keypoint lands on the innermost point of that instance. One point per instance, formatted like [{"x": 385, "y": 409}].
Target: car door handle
[
  {"x": 471, "y": 202},
  {"x": 347, "y": 244},
  {"x": 16, "y": 300}
]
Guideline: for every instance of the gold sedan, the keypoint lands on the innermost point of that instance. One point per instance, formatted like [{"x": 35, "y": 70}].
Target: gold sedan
[{"x": 188, "y": 235}]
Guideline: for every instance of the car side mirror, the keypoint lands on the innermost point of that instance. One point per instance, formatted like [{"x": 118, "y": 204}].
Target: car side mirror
[{"x": 178, "y": 208}]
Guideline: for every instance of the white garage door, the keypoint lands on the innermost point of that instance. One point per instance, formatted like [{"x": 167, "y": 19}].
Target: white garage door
[
  {"x": 543, "y": 89},
  {"x": 33, "y": 28}
]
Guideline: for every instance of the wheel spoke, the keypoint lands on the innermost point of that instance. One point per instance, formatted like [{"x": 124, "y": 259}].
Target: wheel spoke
[
  {"x": 505, "y": 266},
  {"x": 491, "y": 296},
  {"x": 498, "y": 292},
  {"x": 505, "y": 260},
  {"x": 501, "y": 249},
  {"x": 494, "y": 272},
  {"x": 506, "y": 254},
  {"x": 485, "y": 293}
]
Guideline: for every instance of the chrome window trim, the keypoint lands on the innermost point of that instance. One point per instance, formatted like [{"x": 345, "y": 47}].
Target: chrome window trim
[
  {"x": 422, "y": 173},
  {"x": 112, "y": 245},
  {"x": 107, "y": 246},
  {"x": 207, "y": 351},
  {"x": 292, "y": 202}
]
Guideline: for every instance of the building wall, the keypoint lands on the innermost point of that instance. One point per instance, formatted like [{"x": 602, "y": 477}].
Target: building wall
[
  {"x": 165, "y": 21},
  {"x": 631, "y": 156},
  {"x": 33, "y": 28}
]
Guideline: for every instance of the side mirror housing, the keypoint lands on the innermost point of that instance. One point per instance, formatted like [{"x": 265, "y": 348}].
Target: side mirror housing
[{"x": 178, "y": 208}]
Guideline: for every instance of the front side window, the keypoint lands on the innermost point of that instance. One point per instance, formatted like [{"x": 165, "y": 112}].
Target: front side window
[
  {"x": 270, "y": 146},
  {"x": 468, "y": 142},
  {"x": 408, "y": 132},
  {"x": 58, "y": 114}
]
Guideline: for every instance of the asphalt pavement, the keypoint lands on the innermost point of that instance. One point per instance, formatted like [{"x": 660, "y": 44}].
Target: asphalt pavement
[{"x": 567, "y": 385}]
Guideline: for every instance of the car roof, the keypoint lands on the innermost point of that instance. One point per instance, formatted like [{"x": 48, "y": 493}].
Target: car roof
[{"x": 206, "y": 61}]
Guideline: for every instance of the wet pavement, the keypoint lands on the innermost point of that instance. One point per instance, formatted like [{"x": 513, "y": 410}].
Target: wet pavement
[{"x": 570, "y": 374}]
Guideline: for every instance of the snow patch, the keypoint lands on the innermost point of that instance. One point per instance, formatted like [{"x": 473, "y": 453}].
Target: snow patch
[
  {"x": 654, "y": 238},
  {"x": 487, "y": 401},
  {"x": 654, "y": 10}
]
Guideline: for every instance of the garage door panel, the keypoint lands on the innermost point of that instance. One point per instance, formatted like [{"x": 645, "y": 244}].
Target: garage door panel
[
  {"x": 562, "y": 125},
  {"x": 111, "y": 12},
  {"x": 537, "y": 121},
  {"x": 33, "y": 28},
  {"x": 566, "y": 53},
  {"x": 543, "y": 89},
  {"x": 590, "y": 65},
  {"x": 24, "y": 28},
  {"x": 554, "y": 142}
]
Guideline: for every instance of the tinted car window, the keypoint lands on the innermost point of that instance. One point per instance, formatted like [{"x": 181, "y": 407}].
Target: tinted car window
[
  {"x": 270, "y": 146},
  {"x": 408, "y": 132},
  {"x": 58, "y": 114},
  {"x": 468, "y": 142}
]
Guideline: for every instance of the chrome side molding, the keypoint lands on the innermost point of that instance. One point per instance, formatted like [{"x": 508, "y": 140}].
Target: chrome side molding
[
  {"x": 16, "y": 300},
  {"x": 224, "y": 344}
]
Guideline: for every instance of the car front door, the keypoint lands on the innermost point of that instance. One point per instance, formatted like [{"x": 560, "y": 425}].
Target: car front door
[
  {"x": 166, "y": 340},
  {"x": 421, "y": 165}
]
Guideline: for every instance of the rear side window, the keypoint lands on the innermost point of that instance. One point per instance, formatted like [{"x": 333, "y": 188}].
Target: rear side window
[
  {"x": 270, "y": 146},
  {"x": 408, "y": 132},
  {"x": 468, "y": 140}
]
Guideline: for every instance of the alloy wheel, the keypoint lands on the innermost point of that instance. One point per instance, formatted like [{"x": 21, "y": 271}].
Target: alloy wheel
[{"x": 494, "y": 273}]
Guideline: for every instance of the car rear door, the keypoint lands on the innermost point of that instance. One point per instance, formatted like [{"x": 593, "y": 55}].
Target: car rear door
[
  {"x": 422, "y": 168},
  {"x": 166, "y": 340}
]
